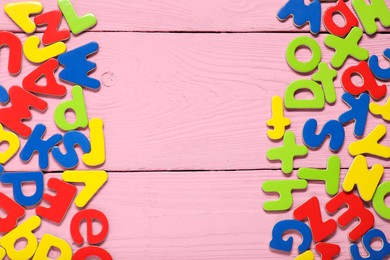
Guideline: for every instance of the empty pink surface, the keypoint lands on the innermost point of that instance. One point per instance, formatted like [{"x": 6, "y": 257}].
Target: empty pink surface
[{"x": 191, "y": 101}]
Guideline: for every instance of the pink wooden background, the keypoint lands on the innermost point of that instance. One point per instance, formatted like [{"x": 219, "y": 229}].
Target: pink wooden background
[{"x": 185, "y": 97}]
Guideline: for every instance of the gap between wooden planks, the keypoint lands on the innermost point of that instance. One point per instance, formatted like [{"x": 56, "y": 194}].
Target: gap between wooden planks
[
  {"x": 192, "y": 101},
  {"x": 181, "y": 16}
]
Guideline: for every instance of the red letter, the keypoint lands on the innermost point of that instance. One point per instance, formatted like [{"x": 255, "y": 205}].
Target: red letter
[
  {"x": 88, "y": 215},
  {"x": 60, "y": 203},
  {"x": 14, "y": 212},
  {"x": 86, "y": 252},
  {"x": 46, "y": 70},
  {"x": 21, "y": 100}
]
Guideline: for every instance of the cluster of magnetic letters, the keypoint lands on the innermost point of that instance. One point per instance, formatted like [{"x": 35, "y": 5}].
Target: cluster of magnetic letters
[
  {"x": 49, "y": 52},
  {"x": 344, "y": 40}
]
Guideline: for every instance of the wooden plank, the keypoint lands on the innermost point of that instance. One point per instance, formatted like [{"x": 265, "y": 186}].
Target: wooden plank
[
  {"x": 181, "y": 215},
  {"x": 167, "y": 16},
  {"x": 185, "y": 101}
]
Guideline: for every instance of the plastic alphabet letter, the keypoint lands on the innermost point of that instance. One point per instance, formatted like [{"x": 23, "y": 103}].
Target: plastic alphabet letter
[
  {"x": 93, "y": 181},
  {"x": 97, "y": 156},
  {"x": 278, "y": 121},
  {"x": 373, "y": 62},
  {"x": 370, "y": 13},
  {"x": 13, "y": 115},
  {"x": 346, "y": 47},
  {"x": 71, "y": 139},
  {"x": 13, "y": 142},
  {"x": 383, "y": 111},
  {"x": 370, "y": 144},
  {"x": 327, "y": 251},
  {"x": 308, "y": 255},
  {"x": 13, "y": 213},
  {"x": 349, "y": 18},
  {"x": 287, "y": 152},
  {"x": 15, "y": 51},
  {"x": 332, "y": 128},
  {"x": 86, "y": 252},
  {"x": 24, "y": 230},
  {"x": 300, "y": 42},
  {"x": 4, "y": 97},
  {"x": 42, "y": 147},
  {"x": 53, "y": 20},
  {"x": 326, "y": 76},
  {"x": 76, "y": 23},
  {"x": 17, "y": 179},
  {"x": 89, "y": 215},
  {"x": 280, "y": 229},
  {"x": 355, "y": 209},
  {"x": 366, "y": 180},
  {"x": 369, "y": 83},
  {"x": 331, "y": 176},
  {"x": 318, "y": 101},
  {"x": 77, "y": 67},
  {"x": 46, "y": 70},
  {"x": 284, "y": 188},
  {"x": 378, "y": 202},
  {"x": 38, "y": 55},
  {"x": 77, "y": 105},
  {"x": 20, "y": 14},
  {"x": 49, "y": 241},
  {"x": 373, "y": 254},
  {"x": 302, "y": 14},
  {"x": 60, "y": 203},
  {"x": 310, "y": 210},
  {"x": 357, "y": 113}
]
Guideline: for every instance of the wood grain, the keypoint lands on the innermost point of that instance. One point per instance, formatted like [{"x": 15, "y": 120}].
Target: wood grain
[
  {"x": 189, "y": 101},
  {"x": 181, "y": 215},
  {"x": 188, "y": 16}
]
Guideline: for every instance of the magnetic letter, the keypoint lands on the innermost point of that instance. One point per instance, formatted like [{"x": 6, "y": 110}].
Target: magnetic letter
[
  {"x": 42, "y": 147},
  {"x": 349, "y": 18},
  {"x": 13, "y": 213},
  {"x": 310, "y": 210},
  {"x": 77, "y": 105},
  {"x": 53, "y": 20},
  {"x": 302, "y": 14},
  {"x": 24, "y": 230},
  {"x": 358, "y": 112},
  {"x": 97, "y": 156},
  {"x": 13, "y": 115},
  {"x": 46, "y": 70},
  {"x": 49, "y": 241},
  {"x": 346, "y": 47},
  {"x": 77, "y": 67},
  {"x": 60, "y": 203},
  {"x": 370, "y": 144},
  {"x": 281, "y": 227},
  {"x": 86, "y": 252},
  {"x": 355, "y": 210},
  {"x": 332, "y": 128},
  {"x": 93, "y": 181},
  {"x": 366, "y": 180},
  {"x": 378, "y": 202},
  {"x": 331, "y": 176},
  {"x": 278, "y": 121},
  {"x": 369, "y": 83},
  {"x": 370, "y": 13},
  {"x": 284, "y": 188},
  {"x": 287, "y": 152},
  {"x": 17, "y": 179},
  {"x": 89, "y": 215},
  {"x": 318, "y": 101},
  {"x": 70, "y": 159}
]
